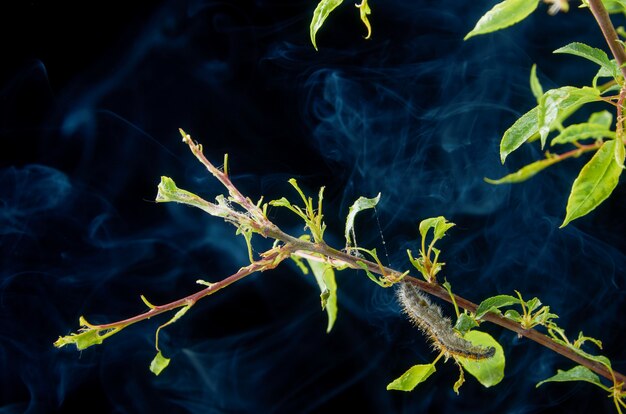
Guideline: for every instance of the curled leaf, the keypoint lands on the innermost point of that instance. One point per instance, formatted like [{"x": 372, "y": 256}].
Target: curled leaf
[
  {"x": 325, "y": 278},
  {"x": 362, "y": 203},
  {"x": 525, "y": 172},
  {"x": 535, "y": 85},
  {"x": 159, "y": 363},
  {"x": 364, "y": 11},
  {"x": 323, "y": 9}
]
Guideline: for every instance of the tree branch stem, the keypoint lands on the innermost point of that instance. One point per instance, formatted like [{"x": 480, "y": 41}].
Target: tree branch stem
[{"x": 608, "y": 30}]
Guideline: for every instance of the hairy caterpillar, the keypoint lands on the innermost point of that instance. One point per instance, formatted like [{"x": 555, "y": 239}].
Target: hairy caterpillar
[{"x": 430, "y": 320}]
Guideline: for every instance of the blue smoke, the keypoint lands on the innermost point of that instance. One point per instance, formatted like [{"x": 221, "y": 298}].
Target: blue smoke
[{"x": 414, "y": 113}]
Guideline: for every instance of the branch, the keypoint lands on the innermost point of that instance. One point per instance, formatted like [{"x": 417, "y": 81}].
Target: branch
[
  {"x": 254, "y": 219},
  {"x": 437, "y": 290},
  {"x": 608, "y": 30}
]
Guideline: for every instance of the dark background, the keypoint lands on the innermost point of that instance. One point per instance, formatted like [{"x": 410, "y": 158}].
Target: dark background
[{"x": 91, "y": 97}]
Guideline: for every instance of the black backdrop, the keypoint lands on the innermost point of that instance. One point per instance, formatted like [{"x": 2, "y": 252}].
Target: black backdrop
[{"x": 91, "y": 97}]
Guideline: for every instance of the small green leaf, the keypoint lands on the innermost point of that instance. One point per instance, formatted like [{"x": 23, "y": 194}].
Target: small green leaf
[
  {"x": 556, "y": 103},
  {"x": 533, "y": 304},
  {"x": 604, "y": 118},
  {"x": 535, "y": 85},
  {"x": 578, "y": 373},
  {"x": 169, "y": 192},
  {"x": 502, "y": 15},
  {"x": 439, "y": 225},
  {"x": 159, "y": 363},
  {"x": 521, "y": 131},
  {"x": 494, "y": 303},
  {"x": 323, "y": 9},
  {"x": 412, "y": 377},
  {"x": 82, "y": 340},
  {"x": 298, "y": 261},
  {"x": 87, "y": 336},
  {"x": 418, "y": 263},
  {"x": 582, "y": 339},
  {"x": 525, "y": 172},
  {"x": 362, "y": 203},
  {"x": 513, "y": 315},
  {"x": 490, "y": 371},
  {"x": 464, "y": 323},
  {"x": 325, "y": 278},
  {"x": 379, "y": 281},
  {"x": 594, "y": 184},
  {"x": 591, "y": 53},
  {"x": 364, "y": 11},
  {"x": 577, "y": 132}
]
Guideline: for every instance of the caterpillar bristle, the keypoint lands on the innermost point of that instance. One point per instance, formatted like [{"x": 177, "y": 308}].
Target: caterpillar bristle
[{"x": 429, "y": 319}]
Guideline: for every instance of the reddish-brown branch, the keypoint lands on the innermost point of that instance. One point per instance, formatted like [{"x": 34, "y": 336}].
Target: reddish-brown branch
[
  {"x": 270, "y": 261},
  {"x": 437, "y": 290},
  {"x": 608, "y": 30}
]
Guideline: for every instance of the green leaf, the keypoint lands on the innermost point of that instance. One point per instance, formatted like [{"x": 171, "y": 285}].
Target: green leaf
[
  {"x": 464, "y": 323},
  {"x": 169, "y": 192},
  {"x": 298, "y": 261},
  {"x": 556, "y": 103},
  {"x": 513, "y": 315},
  {"x": 503, "y": 15},
  {"x": 325, "y": 278},
  {"x": 379, "y": 281},
  {"x": 594, "y": 184},
  {"x": 87, "y": 336},
  {"x": 614, "y": 6},
  {"x": 490, "y": 371},
  {"x": 364, "y": 11},
  {"x": 323, "y": 9},
  {"x": 494, "y": 303},
  {"x": 525, "y": 172},
  {"x": 604, "y": 118},
  {"x": 533, "y": 304},
  {"x": 362, "y": 203},
  {"x": 577, "y": 132},
  {"x": 591, "y": 53},
  {"x": 439, "y": 225},
  {"x": 159, "y": 363},
  {"x": 412, "y": 377},
  {"x": 82, "y": 340},
  {"x": 578, "y": 373},
  {"x": 535, "y": 85},
  {"x": 520, "y": 132}
]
